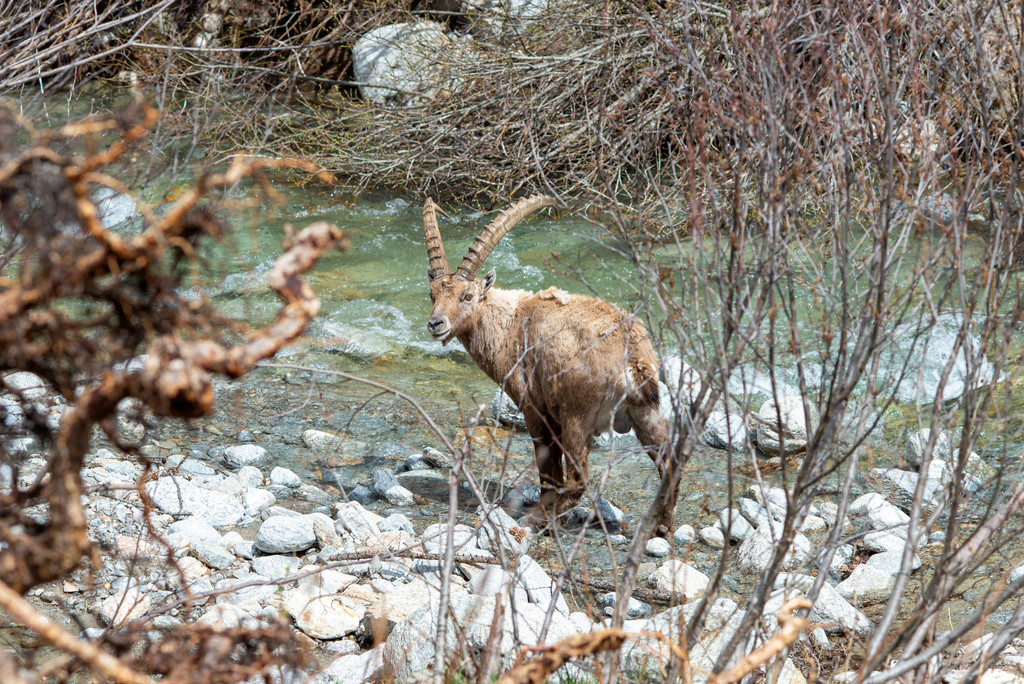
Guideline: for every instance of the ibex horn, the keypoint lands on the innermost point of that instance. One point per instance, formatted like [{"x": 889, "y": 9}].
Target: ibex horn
[
  {"x": 496, "y": 230},
  {"x": 435, "y": 249}
]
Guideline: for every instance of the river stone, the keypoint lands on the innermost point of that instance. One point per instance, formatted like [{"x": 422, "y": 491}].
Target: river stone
[
  {"x": 740, "y": 528},
  {"x": 635, "y": 609},
  {"x": 872, "y": 512},
  {"x": 505, "y": 411},
  {"x": 322, "y": 442},
  {"x": 284, "y": 477},
  {"x": 882, "y": 542},
  {"x": 916, "y": 443},
  {"x": 658, "y": 547},
  {"x": 397, "y": 64},
  {"x": 397, "y": 522},
  {"x": 257, "y": 500},
  {"x": 831, "y": 609},
  {"x": 353, "y": 669},
  {"x": 713, "y": 537},
  {"x": 224, "y": 616},
  {"x": 399, "y": 603},
  {"x": 891, "y": 561},
  {"x": 492, "y": 580},
  {"x": 357, "y": 521},
  {"x": 195, "y": 529},
  {"x": 30, "y": 385},
  {"x": 838, "y": 568},
  {"x": 177, "y": 496},
  {"x": 212, "y": 554},
  {"x": 901, "y": 485},
  {"x": 362, "y": 494},
  {"x": 684, "y": 535},
  {"x": 191, "y": 466},
  {"x": 126, "y": 605},
  {"x": 793, "y": 426},
  {"x": 866, "y": 585},
  {"x": 498, "y": 530},
  {"x": 464, "y": 540},
  {"x": 755, "y": 553},
  {"x": 609, "y": 513},
  {"x": 245, "y": 455},
  {"x": 324, "y": 530},
  {"x": 275, "y": 566},
  {"x": 725, "y": 431},
  {"x": 538, "y": 585},
  {"x": 323, "y": 617},
  {"x": 249, "y": 598},
  {"x": 678, "y": 380},
  {"x": 679, "y": 579},
  {"x": 284, "y": 534},
  {"x": 813, "y": 524},
  {"x": 313, "y": 494}
]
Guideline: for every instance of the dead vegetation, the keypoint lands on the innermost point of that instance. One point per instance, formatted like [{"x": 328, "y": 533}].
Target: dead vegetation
[{"x": 79, "y": 302}]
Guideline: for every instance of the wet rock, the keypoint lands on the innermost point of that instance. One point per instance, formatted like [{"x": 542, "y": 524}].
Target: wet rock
[
  {"x": 891, "y": 561},
  {"x": 505, "y": 411},
  {"x": 522, "y": 497},
  {"x": 124, "y": 606},
  {"x": 241, "y": 455},
  {"x": 361, "y": 495},
  {"x": 498, "y": 530},
  {"x": 831, "y": 609},
  {"x": 684, "y": 535},
  {"x": 284, "y": 477},
  {"x": 713, "y": 537},
  {"x": 285, "y": 534},
  {"x": 415, "y": 462},
  {"x": 397, "y": 64},
  {"x": 658, "y": 547},
  {"x": 387, "y": 487},
  {"x": 634, "y": 610},
  {"x": 740, "y": 529},
  {"x": 609, "y": 513},
  {"x": 755, "y": 553},
  {"x": 178, "y": 496},
  {"x": 680, "y": 579},
  {"x": 866, "y": 585},
  {"x": 793, "y": 426},
  {"x": 725, "y": 431},
  {"x": 213, "y": 555}
]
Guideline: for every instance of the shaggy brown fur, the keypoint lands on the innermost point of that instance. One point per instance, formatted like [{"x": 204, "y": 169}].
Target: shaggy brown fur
[{"x": 574, "y": 365}]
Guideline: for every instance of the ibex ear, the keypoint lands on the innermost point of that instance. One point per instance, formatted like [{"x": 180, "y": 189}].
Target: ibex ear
[{"x": 488, "y": 280}]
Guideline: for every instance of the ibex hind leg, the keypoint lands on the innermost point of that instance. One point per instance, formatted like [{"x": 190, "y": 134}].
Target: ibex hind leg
[
  {"x": 548, "y": 457},
  {"x": 652, "y": 432}
]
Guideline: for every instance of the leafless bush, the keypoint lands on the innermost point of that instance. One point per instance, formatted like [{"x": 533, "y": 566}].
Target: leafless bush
[{"x": 78, "y": 304}]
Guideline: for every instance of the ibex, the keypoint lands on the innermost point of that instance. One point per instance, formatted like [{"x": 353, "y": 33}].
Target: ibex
[{"x": 574, "y": 365}]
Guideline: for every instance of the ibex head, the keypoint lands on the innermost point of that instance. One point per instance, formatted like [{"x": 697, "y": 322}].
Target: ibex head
[{"x": 457, "y": 296}]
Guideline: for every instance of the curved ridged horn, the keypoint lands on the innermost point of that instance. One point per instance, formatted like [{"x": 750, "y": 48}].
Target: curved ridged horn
[
  {"x": 496, "y": 230},
  {"x": 435, "y": 249}
]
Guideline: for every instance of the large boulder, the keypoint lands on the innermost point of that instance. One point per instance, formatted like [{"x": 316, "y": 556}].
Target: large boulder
[{"x": 406, "y": 64}]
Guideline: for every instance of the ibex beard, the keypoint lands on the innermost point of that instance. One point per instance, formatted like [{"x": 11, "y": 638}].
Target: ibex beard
[{"x": 574, "y": 365}]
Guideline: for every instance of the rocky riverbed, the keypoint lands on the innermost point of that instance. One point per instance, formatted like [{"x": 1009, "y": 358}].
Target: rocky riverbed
[{"x": 358, "y": 570}]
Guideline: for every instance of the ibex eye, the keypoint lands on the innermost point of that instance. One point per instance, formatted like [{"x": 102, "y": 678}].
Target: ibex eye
[{"x": 468, "y": 296}]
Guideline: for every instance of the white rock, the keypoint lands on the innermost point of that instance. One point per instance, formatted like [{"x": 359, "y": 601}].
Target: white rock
[
  {"x": 713, "y": 537},
  {"x": 740, "y": 528},
  {"x": 679, "y": 578},
  {"x": 322, "y": 442},
  {"x": 249, "y": 476},
  {"x": 285, "y": 534},
  {"x": 324, "y": 530},
  {"x": 126, "y": 605},
  {"x": 882, "y": 542},
  {"x": 658, "y": 547},
  {"x": 225, "y": 616},
  {"x": 499, "y": 530},
  {"x": 917, "y": 443},
  {"x": 538, "y": 585},
  {"x": 831, "y": 609},
  {"x": 30, "y": 385},
  {"x": 755, "y": 553},
  {"x": 353, "y": 669},
  {"x": 244, "y": 455},
  {"x": 872, "y": 512},
  {"x": 284, "y": 477},
  {"x": 684, "y": 535},
  {"x": 177, "y": 496},
  {"x": 404, "y": 64},
  {"x": 725, "y": 431},
  {"x": 399, "y": 496},
  {"x": 257, "y": 500},
  {"x": 323, "y": 617},
  {"x": 359, "y": 522},
  {"x": 866, "y": 585},
  {"x": 435, "y": 539},
  {"x": 891, "y": 561},
  {"x": 195, "y": 529},
  {"x": 813, "y": 524},
  {"x": 793, "y": 426}
]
